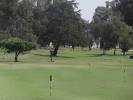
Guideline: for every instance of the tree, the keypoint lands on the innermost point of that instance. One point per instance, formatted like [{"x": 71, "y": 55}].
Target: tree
[
  {"x": 117, "y": 31},
  {"x": 4, "y": 36},
  {"x": 64, "y": 24},
  {"x": 95, "y": 29},
  {"x": 125, "y": 7},
  {"x": 16, "y": 45},
  {"x": 39, "y": 22},
  {"x": 102, "y": 14},
  {"x": 107, "y": 36},
  {"x": 16, "y": 18},
  {"x": 125, "y": 41},
  {"x": 102, "y": 28},
  {"x": 125, "y": 44},
  {"x": 22, "y": 24},
  {"x": 7, "y": 13},
  {"x": 108, "y": 28},
  {"x": 88, "y": 36}
]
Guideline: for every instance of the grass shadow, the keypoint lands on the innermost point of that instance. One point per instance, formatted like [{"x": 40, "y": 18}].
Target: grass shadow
[
  {"x": 117, "y": 55},
  {"x": 95, "y": 55},
  {"x": 10, "y": 61},
  {"x": 64, "y": 57},
  {"x": 42, "y": 55},
  {"x": 6, "y": 61},
  {"x": 110, "y": 55}
]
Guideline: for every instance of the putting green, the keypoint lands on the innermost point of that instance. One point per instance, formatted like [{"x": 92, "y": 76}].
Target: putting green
[{"x": 79, "y": 75}]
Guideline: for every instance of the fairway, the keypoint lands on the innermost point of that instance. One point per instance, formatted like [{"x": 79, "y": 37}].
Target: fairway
[{"x": 78, "y": 75}]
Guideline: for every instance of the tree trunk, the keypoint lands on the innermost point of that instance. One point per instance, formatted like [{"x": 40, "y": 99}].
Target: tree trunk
[
  {"x": 73, "y": 48},
  {"x": 124, "y": 53},
  {"x": 16, "y": 56},
  {"x": 114, "y": 51},
  {"x": 90, "y": 48},
  {"x": 104, "y": 51},
  {"x": 97, "y": 44},
  {"x": 56, "y": 49}
]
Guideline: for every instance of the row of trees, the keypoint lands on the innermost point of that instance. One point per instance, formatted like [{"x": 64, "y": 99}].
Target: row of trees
[
  {"x": 25, "y": 23},
  {"x": 110, "y": 29},
  {"x": 40, "y": 21}
]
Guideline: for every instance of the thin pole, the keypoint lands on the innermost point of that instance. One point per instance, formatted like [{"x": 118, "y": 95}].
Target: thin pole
[
  {"x": 50, "y": 88},
  {"x": 51, "y": 79}
]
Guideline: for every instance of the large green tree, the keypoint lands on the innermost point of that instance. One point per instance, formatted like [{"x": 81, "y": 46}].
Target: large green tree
[
  {"x": 125, "y": 7},
  {"x": 102, "y": 14},
  {"x": 125, "y": 41},
  {"x": 7, "y": 13},
  {"x": 22, "y": 25},
  {"x": 108, "y": 28},
  {"x": 107, "y": 40},
  {"x": 64, "y": 24},
  {"x": 102, "y": 28},
  {"x": 39, "y": 22},
  {"x": 88, "y": 36},
  {"x": 16, "y": 18}
]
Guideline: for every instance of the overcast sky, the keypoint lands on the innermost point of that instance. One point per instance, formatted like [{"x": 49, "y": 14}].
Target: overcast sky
[{"x": 88, "y": 7}]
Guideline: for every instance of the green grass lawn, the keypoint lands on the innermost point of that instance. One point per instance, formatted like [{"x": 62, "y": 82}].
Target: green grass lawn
[{"x": 78, "y": 75}]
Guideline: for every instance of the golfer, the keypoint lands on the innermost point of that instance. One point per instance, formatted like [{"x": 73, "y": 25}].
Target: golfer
[{"x": 51, "y": 47}]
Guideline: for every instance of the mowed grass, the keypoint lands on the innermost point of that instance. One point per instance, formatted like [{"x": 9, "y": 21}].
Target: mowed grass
[{"x": 78, "y": 75}]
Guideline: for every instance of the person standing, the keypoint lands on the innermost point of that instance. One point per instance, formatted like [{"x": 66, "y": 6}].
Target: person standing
[{"x": 51, "y": 47}]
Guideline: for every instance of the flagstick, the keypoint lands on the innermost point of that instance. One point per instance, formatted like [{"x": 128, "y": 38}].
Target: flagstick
[
  {"x": 50, "y": 80},
  {"x": 50, "y": 88}
]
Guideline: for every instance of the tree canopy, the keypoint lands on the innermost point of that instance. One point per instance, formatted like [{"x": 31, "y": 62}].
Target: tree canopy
[
  {"x": 16, "y": 45},
  {"x": 109, "y": 30},
  {"x": 125, "y": 7},
  {"x": 64, "y": 24}
]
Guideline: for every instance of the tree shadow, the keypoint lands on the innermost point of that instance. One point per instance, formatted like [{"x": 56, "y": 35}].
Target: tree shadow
[
  {"x": 42, "y": 55},
  {"x": 112, "y": 55},
  {"x": 6, "y": 61},
  {"x": 95, "y": 55},
  {"x": 108, "y": 55},
  {"x": 10, "y": 61},
  {"x": 64, "y": 57}
]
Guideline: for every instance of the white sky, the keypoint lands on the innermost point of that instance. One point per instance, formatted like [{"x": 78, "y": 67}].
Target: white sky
[{"x": 88, "y": 7}]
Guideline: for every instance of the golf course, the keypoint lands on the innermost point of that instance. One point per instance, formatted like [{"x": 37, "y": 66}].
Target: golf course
[
  {"x": 77, "y": 75},
  {"x": 66, "y": 49}
]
